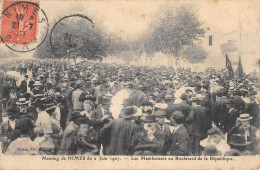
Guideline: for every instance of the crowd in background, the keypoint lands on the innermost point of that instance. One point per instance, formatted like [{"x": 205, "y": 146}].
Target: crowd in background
[{"x": 52, "y": 110}]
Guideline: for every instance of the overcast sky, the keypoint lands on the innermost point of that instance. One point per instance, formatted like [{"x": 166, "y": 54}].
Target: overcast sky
[{"x": 132, "y": 17}]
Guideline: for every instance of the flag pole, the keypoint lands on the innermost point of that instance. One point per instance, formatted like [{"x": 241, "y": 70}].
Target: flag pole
[{"x": 240, "y": 34}]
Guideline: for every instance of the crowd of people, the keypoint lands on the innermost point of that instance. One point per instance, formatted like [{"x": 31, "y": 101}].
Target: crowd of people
[{"x": 54, "y": 110}]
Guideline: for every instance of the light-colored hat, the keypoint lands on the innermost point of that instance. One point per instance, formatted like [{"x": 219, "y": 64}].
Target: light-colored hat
[
  {"x": 22, "y": 101},
  {"x": 244, "y": 117}
]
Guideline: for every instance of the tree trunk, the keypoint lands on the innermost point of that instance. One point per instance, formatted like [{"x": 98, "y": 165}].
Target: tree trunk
[
  {"x": 75, "y": 60},
  {"x": 63, "y": 64}
]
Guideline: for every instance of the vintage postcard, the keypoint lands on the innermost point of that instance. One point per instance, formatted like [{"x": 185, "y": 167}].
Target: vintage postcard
[{"x": 135, "y": 84}]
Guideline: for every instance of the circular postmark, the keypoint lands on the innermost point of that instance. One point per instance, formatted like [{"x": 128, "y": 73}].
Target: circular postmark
[
  {"x": 74, "y": 35},
  {"x": 24, "y": 26}
]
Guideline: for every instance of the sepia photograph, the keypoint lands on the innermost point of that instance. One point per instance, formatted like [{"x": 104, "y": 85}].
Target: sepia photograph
[{"x": 151, "y": 84}]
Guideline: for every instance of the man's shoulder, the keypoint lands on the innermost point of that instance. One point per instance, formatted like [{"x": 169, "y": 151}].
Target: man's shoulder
[
  {"x": 253, "y": 128},
  {"x": 182, "y": 130},
  {"x": 4, "y": 124}
]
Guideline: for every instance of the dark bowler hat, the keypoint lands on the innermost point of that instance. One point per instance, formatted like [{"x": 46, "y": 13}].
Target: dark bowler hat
[
  {"x": 244, "y": 117},
  {"x": 75, "y": 115},
  {"x": 239, "y": 140},
  {"x": 230, "y": 101},
  {"x": 128, "y": 112},
  {"x": 150, "y": 119},
  {"x": 177, "y": 115}
]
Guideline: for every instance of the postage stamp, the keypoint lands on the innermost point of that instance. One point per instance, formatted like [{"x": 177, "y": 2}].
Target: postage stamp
[{"x": 23, "y": 25}]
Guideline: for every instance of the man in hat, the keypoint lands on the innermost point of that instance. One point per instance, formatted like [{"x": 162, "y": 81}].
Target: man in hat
[
  {"x": 219, "y": 111},
  {"x": 162, "y": 132},
  {"x": 89, "y": 89},
  {"x": 69, "y": 133},
  {"x": 102, "y": 116},
  {"x": 23, "y": 145},
  {"x": 31, "y": 83},
  {"x": 199, "y": 124},
  {"x": 62, "y": 107},
  {"x": 49, "y": 93},
  {"x": 23, "y": 106},
  {"x": 116, "y": 88},
  {"x": 88, "y": 107},
  {"x": 83, "y": 143},
  {"x": 117, "y": 135},
  {"x": 231, "y": 115},
  {"x": 23, "y": 85},
  {"x": 37, "y": 88},
  {"x": 244, "y": 128},
  {"x": 216, "y": 138},
  {"x": 5, "y": 93},
  {"x": 145, "y": 142},
  {"x": 68, "y": 95},
  {"x": 77, "y": 104},
  {"x": 169, "y": 99},
  {"x": 180, "y": 145},
  {"x": 7, "y": 134}
]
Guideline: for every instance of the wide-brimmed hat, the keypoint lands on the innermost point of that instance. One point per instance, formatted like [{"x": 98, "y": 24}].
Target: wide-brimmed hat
[
  {"x": 230, "y": 101},
  {"x": 10, "y": 111},
  {"x": 75, "y": 115},
  {"x": 244, "y": 117},
  {"x": 128, "y": 112},
  {"x": 22, "y": 101},
  {"x": 239, "y": 140},
  {"x": 244, "y": 90},
  {"x": 50, "y": 108}
]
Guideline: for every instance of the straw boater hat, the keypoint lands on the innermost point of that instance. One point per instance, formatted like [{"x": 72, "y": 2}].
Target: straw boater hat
[
  {"x": 244, "y": 117},
  {"x": 22, "y": 101}
]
